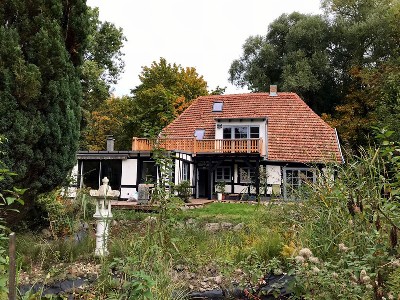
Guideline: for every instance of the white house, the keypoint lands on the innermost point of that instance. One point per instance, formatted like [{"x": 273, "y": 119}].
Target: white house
[{"x": 257, "y": 143}]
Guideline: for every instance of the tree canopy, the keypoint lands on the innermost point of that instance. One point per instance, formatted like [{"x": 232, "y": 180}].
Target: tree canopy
[
  {"x": 111, "y": 118},
  {"x": 42, "y": 46},
  {"x": 103, "y": 62},
  {"x": 166, "y": 90},
  {"x": 333, "y": 61}
]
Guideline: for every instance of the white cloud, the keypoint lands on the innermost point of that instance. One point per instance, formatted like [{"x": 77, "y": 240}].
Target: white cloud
[{"x": 206, "y": 34}]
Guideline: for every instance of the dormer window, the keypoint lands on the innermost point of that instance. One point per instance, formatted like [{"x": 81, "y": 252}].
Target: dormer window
[
  {"x": 217, "y": 106},
  {"x": 199, "y": 134}
]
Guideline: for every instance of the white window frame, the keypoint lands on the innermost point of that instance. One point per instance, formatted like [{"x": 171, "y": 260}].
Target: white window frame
[
  {"x": 185, "y": 171},
  {"x": 248, "y": 131},
  {"x": 249, "y": 172},
  {"x": 225, "y": 174},
  {"x": 199, "y": 133},
  {"x": 218, "y": 106},
  {"x": 289, "y": 187}
]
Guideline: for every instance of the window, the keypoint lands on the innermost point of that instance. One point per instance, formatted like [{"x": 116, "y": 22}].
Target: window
[
  {"x": 217, "y": 106},
  {"x": 223, "y": 174},
  {"x": 295, "y": 178},
  {"x": 149, "y": 172},
  {"x": 112, "y": 169},
  {"x": 199, "y": 134},
  {"x": 93, "y": 171},
  {"x": 246, "y": 174},
  {"x": 241, "y": 132},
  {"x": 185, "y": 171},
  {"x": 254, "y": 132}
]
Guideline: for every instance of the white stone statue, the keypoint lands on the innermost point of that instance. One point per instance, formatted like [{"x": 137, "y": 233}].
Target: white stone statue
[{"x": 103, "y": 215}]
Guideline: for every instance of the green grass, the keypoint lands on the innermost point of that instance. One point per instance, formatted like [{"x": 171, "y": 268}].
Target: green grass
[{"x": 143, "y": 247}]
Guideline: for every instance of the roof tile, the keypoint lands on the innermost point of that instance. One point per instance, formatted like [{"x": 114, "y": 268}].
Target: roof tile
[{"x": 295, "y": 132}]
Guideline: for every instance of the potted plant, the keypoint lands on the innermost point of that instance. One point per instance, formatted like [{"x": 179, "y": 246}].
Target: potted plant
[{"x": 220, "y": 188}]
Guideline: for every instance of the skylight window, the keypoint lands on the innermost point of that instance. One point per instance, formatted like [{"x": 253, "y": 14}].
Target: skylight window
[
  {"x": 217, "y": 106},
  {"x": 199, "y": 134}
]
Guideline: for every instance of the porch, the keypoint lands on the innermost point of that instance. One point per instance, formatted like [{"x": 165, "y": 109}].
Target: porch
[{"x": 192, "y": 145}]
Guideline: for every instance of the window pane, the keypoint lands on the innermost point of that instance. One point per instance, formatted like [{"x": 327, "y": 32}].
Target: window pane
[
  {"x": 199, "y": 134},
  {"x": 254, "y": 132},
  {"x": 227, "y": 133},
  {"x": 91, "y": 173},
  {"x": 185, "y": 170},
  {"x": 217, "y": 106},
  {"x": 240, "y": 132},
  {"x": 149, "y": 172},
  {"x": 219, "y": 174},
  {"x": 227, "y": 174},
  {"x": 112, "y": 169}
]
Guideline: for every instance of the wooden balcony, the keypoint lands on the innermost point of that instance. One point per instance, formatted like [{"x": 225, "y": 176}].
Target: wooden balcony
[{"x": 199, "y": 146}]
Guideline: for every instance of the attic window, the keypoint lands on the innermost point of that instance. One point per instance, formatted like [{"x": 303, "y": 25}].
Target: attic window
[
  {"x": 199, "y": 134},
  {"x": 217, "y": 106}
]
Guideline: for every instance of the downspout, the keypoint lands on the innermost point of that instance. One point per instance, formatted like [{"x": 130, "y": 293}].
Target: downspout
[{"x": 340, "y": 148}]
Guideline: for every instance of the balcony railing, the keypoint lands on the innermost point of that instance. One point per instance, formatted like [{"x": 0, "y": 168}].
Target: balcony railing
[{"x": 199, "y": 146}]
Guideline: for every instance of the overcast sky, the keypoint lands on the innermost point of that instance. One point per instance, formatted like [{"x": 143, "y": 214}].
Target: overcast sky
[{"x": 205, "y": 34}]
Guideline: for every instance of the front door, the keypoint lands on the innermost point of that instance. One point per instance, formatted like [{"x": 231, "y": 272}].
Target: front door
[{"x": 203, "y": 183}]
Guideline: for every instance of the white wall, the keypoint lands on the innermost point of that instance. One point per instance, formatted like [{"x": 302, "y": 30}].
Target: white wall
[
  {"x": 128, "y": 177},
  {"x": 179, "y": 167},
  {"x": 129, "y": 170},
  {"x": 274, "y": 175},
  {"x": 261, "y": 124}
]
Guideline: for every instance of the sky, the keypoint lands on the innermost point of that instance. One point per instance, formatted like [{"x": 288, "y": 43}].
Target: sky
[{"x": 205, "y": 34}]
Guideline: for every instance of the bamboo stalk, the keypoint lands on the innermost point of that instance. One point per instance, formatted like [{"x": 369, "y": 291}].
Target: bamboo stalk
[{"x": 12, "y": 288}]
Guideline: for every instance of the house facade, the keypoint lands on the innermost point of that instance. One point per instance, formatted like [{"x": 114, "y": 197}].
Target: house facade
[{"x": 257, "y": 144}]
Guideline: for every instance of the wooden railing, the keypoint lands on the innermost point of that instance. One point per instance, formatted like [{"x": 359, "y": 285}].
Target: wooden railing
[{"x": 199, "y": 146}]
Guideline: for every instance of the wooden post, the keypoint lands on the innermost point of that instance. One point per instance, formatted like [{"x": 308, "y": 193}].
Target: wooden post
[
  {"x": 134, "y": 143},
  {"x": 12, "y": 289},
  {"x": 194, "y": 144}
]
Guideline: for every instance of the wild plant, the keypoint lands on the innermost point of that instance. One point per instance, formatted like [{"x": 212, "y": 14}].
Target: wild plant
[
  {"x": 359, "y": 209},
  {"x": 7, "y": 198}
]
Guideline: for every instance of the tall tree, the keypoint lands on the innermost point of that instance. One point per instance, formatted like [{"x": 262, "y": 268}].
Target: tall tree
[
  {"x": 41, "y": 50},
  {"x": 166, "y": 90},
  {"x": 103, "y": 62},
  {"x": 109, "y": 119},
  {"x": 333, "y": 61},
  {"x": 101, "y": 69},
  {"x": 293, "y": 54},
  {"x": 365, "y": 55}
]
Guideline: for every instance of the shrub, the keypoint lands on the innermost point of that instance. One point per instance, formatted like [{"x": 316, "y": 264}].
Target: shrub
[{"x": 183, "y": 190}]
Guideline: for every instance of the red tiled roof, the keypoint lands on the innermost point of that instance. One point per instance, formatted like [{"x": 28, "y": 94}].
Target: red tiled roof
[{"x": 295, "y": 132}]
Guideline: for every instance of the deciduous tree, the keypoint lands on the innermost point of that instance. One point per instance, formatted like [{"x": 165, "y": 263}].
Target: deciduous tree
[
  {"x": 109, "y": 119},
  {"x": 166, "y": 90}
]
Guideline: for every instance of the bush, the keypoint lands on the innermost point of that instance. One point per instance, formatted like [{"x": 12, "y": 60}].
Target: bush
[
  {"x": 184, "y": 190},
  {"x": 358, "y": 210}
]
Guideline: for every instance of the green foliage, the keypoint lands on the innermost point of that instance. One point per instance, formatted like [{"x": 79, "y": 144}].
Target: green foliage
[
  {"x": 351, "y": 223},
  {"x": 66, "y": 215},
  {"x": 344, "y": 64},
  {"x": 101, "y": 68},
  {"x": 7, "y": 197},
  {"x": 220, "y": 187},
  {"x": 135, "y": 284},
  {"x": 40, "y": 91},
  {"x": 110, "y": 118},
  {"x": 184, "y": 190},
  {"x": 348, "y": 277},
  {"x": 293, "y": 54},
  {"x": 166, "y": 90}
]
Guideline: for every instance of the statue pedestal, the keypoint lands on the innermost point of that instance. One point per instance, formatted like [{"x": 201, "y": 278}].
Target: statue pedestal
[{"x": 103, "y": 215}]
